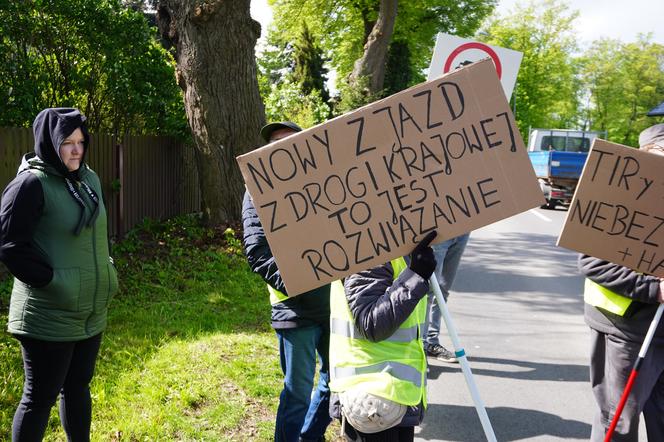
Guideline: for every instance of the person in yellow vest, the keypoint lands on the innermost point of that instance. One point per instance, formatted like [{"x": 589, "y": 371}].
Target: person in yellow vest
[
  {"x": 620, "y": 304},
  {"x": 377, "y": 362},
  {"x": 302, "y": 327}
]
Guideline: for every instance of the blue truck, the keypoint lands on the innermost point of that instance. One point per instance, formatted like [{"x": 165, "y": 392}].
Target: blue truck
[{"x": 558, "y": 157}]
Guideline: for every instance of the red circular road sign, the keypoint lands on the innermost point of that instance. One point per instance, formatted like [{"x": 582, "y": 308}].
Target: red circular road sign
[{"x": 474, "y": 45}]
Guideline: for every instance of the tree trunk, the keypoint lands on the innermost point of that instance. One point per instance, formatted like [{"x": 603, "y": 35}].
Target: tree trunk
[
  {"x": 216, "y": 68},
  {"x": 372, "y": 64}
]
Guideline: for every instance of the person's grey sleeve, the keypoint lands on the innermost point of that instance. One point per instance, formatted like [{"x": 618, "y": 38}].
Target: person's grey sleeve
[
  {"x": 256, "y": 247},
  {"x": 378, "y": 303},
  {"x": 621, "y": 280},
  {"x": 22, "y": 206}
]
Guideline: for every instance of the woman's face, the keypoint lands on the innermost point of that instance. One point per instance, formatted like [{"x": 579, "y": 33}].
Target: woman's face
[{"x": 71, "y": 150}]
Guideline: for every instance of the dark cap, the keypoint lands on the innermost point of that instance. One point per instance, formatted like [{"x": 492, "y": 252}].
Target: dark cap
[{"x": 267, "y": 130}]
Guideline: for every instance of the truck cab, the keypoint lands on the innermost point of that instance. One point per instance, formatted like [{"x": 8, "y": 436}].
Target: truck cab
[
  {"x": 558, "y": 157},
  {"x": 560, "y": 140}
]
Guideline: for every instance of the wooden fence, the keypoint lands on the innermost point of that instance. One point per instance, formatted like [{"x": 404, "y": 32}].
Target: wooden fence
[{"x": 144, "y": 176}]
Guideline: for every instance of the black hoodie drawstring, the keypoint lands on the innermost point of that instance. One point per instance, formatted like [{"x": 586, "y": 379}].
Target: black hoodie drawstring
[
  {"x": 77, "y": 196},
  {"x": 51, "y": 127},
  {"x": 95, "y": 198}
]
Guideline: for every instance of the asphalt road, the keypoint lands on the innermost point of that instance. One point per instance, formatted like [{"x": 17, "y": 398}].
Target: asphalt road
[{"x": 517, "y": 305}]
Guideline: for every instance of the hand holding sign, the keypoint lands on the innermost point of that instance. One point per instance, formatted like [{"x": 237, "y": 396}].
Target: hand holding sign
[{"x": 422, "y": 260}]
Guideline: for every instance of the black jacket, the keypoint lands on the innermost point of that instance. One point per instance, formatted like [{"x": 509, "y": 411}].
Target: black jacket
[
  {"x": 312, "y": 307},
  {"x": 643, "y": 289},
  {"x": 379, "y": 304}
]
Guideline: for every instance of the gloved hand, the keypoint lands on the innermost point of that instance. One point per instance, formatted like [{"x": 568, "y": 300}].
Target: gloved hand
[{"x": 422, "y": 260}]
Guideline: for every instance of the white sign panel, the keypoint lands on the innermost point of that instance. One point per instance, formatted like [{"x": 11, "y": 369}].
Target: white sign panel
[{"x": 452, "y": 52}]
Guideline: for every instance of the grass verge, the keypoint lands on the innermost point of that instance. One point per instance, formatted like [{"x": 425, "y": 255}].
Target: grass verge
[{"x": 188, "y": 354}]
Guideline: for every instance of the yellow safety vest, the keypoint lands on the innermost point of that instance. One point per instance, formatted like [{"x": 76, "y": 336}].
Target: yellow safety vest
[
  {"x": 598, "y": 296},
  {"x": 394, "y": 368},
  {"x": 275, "y": 295}
]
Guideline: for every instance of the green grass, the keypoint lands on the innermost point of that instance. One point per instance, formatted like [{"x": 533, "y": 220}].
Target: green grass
[{"x": 188, "y": 354}]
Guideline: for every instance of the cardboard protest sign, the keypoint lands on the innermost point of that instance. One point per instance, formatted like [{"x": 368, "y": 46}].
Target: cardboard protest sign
[
  {"x": 365, "y": 187},
  {"x": 617, "y": 212}
]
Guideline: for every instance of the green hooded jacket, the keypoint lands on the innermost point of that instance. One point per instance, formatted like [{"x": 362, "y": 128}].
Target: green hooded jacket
[
  {"x": 69, "y": 236},
  {"x": 74, "y": 305}
]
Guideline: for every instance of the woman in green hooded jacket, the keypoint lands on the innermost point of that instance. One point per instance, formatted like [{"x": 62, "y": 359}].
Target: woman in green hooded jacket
[{"x": 54, "y": 240}]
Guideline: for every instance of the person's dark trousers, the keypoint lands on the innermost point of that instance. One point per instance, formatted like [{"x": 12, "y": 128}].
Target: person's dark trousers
[
  {"x": 448, "y": 257},
  {"x": 302, "y": 416},
  {"x": 51, "y": 368},
  {"x": 611, "y": 362},
  {"x": 394, "y": 434}
]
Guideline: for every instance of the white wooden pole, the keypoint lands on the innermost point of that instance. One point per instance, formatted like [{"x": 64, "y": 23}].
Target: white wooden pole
[{"x": 463, "y": 361}]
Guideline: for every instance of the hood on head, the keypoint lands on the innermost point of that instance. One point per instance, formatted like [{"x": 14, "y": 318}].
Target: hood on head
[{"x": 51, "y": 127}]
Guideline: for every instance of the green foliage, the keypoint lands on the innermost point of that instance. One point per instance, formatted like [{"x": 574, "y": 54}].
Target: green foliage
[
  {"x": 548, "y": 89},
  {"x": 418, "y": 22},
  {"x": 233, "y": 243},
  {"x": 275, "y": 64},
  {"x": 609, "y": 88},
  {"x": 287, "y": 102},
  {"x": 398, "y": 75},
  {"x": 189, "y": 353},
  {"x": 92, "y": 54},
  {"x": 291, "y": 79},
  {"x": 355, "y": 97},
  {"x": 624, "y": 81},
  {"x": 116, "y": 185},
  {"x": 342, "y": 26},
  {"x": 310, "y": 72},
  {"x": 338, "y": 26},
  {"x": 140, "y": 5}
]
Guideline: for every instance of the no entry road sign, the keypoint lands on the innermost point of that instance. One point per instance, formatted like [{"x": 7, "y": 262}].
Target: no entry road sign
[{"x": 452, "y": 52}]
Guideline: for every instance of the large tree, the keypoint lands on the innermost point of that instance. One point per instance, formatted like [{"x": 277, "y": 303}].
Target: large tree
[
  {"x": 624, "y": 81},
  {"x": 216, "y": 68},
  {"x": 419, "y": 21},
  {"x": 369, "y": 69},
  {"x": 547, "y": 92},
  {"x": 353, "y": 34},
  {"x": 309, "y": 71}
]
